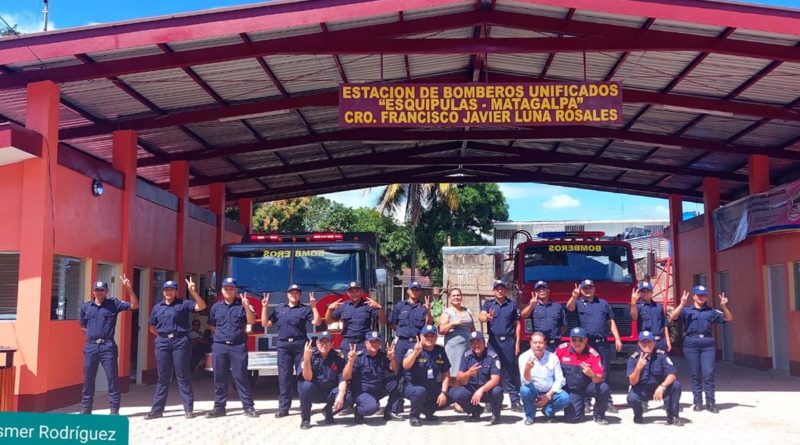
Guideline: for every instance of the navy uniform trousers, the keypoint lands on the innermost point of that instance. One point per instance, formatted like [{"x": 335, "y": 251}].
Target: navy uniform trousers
[
  {"x": 94, "y": 355},
  {"x": 400, "y": 350},
  {"x": 701, "y": 353},
  {"x": 173, "y": 353},
  {"x": 642, "y": 393},
  {"x": 463, "y": 396},
  {"x": 290, "y": 357},
  {"x": 230, "y": 360},
  {"x": 577, "y": 401},
  {"x": 367, "y": 402},
  {"x": 510, "y": 368},
  {"x": 423, "y": 398},
  {"x": 311, "y": 392}
]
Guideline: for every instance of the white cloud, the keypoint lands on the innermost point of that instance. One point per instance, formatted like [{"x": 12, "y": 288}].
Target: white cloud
[
  {"x": 656, "y": 211},
  {"x": 561, "y": 201},
  {"x": 26, "y": 21},
  {"x": 353, "y": 198}
]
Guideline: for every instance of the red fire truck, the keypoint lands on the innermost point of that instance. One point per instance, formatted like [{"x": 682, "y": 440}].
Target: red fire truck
[
  {"x": 323, "y": 263},
  {"x": 563, "y": 259}
]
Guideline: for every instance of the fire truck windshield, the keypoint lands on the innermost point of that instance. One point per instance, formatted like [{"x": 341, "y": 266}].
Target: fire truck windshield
[
  {"x": 576, "y": 262},
  {"x": 317, "y": 269}
]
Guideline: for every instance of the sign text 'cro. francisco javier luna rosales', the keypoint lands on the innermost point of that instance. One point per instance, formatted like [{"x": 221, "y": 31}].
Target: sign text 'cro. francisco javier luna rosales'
[{"x": 479, "y": 104}]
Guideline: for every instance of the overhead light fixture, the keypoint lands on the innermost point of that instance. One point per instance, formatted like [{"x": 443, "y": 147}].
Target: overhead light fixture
[
  {"x": 696, "y": 110},
  {"x": 254, "y": 115},
  {"x": 97, "y": 187}
]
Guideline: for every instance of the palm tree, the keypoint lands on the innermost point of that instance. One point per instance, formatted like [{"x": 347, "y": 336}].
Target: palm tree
[{"x": 416, "y": 198}]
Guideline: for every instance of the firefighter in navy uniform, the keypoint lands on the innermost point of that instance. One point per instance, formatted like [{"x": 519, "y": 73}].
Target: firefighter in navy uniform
[
  {"x": 408, "y": 318},
  {"x": 652, "y": 375},
  {"x": 546, "y": 317},
  {"x": 358, "y": 316},
  {"x": 426, "y": 377},
  {"x": 169, "y": 322},
  {"x": 292, "y": 318},
  {"x": 479, "y": 378},
  {"x": 228, "y": 319},
  {"x": 372, "y": 376},
  {"x": 502, "y": 314},
  {"x": 321, "y": 380},
  {"x": 597, "y": 319},
  {"x": 583, "y": 371},
  {"x": 98, "y": 319},
  {"x": 698, "y": 344},
  {"x": 650, "y": 316}
]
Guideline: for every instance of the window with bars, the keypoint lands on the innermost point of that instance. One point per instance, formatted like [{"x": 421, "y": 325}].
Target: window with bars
[
  {"x": 9, "y": 285},
  {"x": 68, "y": 287}
]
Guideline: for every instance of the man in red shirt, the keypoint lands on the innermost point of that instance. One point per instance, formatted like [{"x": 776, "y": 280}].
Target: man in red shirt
[{"x": 583, "y": 372}]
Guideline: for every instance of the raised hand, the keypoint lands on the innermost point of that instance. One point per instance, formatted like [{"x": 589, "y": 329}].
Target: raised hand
[
  {"x": 490, "y": 315},
  {"x": 351, "y": 355},
  {"x": 427, "y": 303},
  {"x": 577, "y": 291},
  {"x": 418, "y": 345},
  {"x": 373, "y": 304},
  {"x": 390, "y": 351},
  {"x": 634, "y": 295},
  {"x": 190, "y": 285},
  {"x": 684, "y": 298},
  {"x": 311, "y": 299},
  {"x": 308, "y": 350},
  {"x": 335, "y": 305},
  {"x": 125, "y": 281},
  {"x": 265, "y": 300},
  {"x": 587, "y": 370},
  {"x": 723, "y": 300},
  {"x": 473, "y": 370},
  {"x": 642, "y": 362}
]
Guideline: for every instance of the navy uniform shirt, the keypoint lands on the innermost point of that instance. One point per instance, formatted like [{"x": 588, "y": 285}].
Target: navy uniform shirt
[
  {"x": 172, "y": 318},
  {"x": 292, "y": 321},
  {"x": 429, "y": 368},
  {"x": 490, "y": 365},
  {"x": 230, "y": 321},
  {"x": 505, "y": 318},
  {"x": 357, "y": 319},
  {"x": 100, "y": 320},
  {"x": 408, "y": 319},
  {"x": 594, "y": 317},
  {"x": 699, "y": 321},
  {"x": 658, "y": 367},
  {"x": 327, "y": 372},
  {"x": 548, "y": 319},
  {"x": 651, "y": 317},
  {"x": 369, "y": 372}
]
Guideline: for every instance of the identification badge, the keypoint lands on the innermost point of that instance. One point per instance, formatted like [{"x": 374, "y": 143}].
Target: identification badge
[{"x": 430, "y": 374}]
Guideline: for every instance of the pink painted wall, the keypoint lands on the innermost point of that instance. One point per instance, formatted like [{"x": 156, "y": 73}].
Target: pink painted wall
[{"x": 11, "y": 197}]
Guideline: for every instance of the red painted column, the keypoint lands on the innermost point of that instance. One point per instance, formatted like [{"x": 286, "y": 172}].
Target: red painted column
[
  {"x": 758, "y": 173},
  {"x": 179, "y": 186},
  {"x": 246, "y": 213},
  {"x": 124, "y": 159},
  {"x": 675, "y": 218},
  {"x": 710, "y": 203},
  {"x": 36, "y": 251},
  {"x": 216, "y": 203}
]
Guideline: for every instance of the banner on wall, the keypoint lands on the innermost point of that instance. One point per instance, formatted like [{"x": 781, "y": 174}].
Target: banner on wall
[
  {"x": 479, "y": 104},
  {"x": 773, "y": 211}
]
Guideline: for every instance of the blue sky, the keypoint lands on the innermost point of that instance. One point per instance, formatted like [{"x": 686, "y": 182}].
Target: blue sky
[{"x": 526, "y": 201}]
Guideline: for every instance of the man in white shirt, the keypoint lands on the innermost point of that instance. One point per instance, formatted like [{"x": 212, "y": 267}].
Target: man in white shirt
[{"x": 542, "y": 381}]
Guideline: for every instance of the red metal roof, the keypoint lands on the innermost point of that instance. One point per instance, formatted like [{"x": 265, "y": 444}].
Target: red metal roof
[{"x": 248, "y": 94}]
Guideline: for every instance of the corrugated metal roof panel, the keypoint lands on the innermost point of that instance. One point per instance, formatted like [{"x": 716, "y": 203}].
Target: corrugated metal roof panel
[
  {"x": 771, "y": 134},
  {"x": 570, "y": 66},
  {"x": 305, "y": 73},
  {"x": 158, "y": 174},
  {"x": 169, "y": 139},
  {"x": 102, "y": 98},
  {"x": 367, "y": 68},
  {"x": 653, "y": 70},
  {"x": 720, "y": 161},
  {"x": 239, "y": 80},
  {"x": 781, "y": 86},
  {"x": 609, "y": 19},
  {"x": 719, "y": 74},
  {"x": 455, "y": 33},
  {"x": 687, "y": 28},
  {"x": 764, "y": 37},
  {"x": 521, "y": 64},
  {"x": 169, "y": 89},
  {"x": 187, "y": 45},
  {"x": 363, "y": 21},
  {"x": 453, "y": 8},
  {"x": 501, "y": 32},
  {"x": 718, "y": 128},
  {"x": 223, "y": 133},
  {"x": 283, "y": 33},
  {"x": 49, "y": 63},
  {"x": 256, "y": 160},
  {"x": 279, "y": 126},
  {"x": 422, "y": 65},
  {"x": 214, "y": 166},
  {"x": 531, "y": 8},
  {"x": 126, "y": 53},
  {"x": 661, "y": 121}
]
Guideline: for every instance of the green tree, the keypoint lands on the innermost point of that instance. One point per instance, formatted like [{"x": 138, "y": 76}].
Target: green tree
[
  {"x": 281, "y": 216},
  {"x": 9, "y": 31},
  {"x": 480, "y": 205},
  {"x": 417, "y": 198}
]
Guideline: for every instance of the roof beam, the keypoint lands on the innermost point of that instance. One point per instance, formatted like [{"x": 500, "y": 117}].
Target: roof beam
[
  {"x": 383, "y": 134},
  {"x": 377, "y": 39}
]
